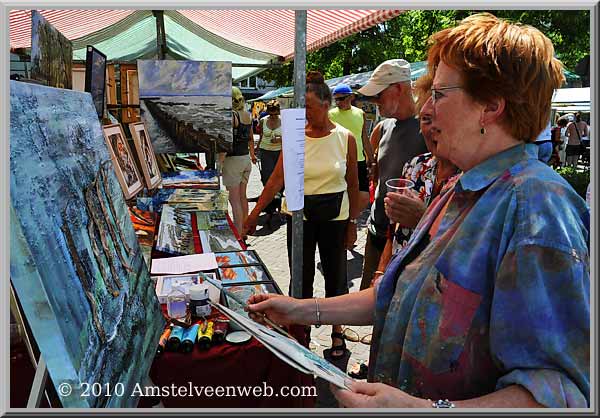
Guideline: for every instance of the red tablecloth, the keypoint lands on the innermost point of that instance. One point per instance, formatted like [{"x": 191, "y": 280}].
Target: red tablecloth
[{"x": 225, "y": 365}]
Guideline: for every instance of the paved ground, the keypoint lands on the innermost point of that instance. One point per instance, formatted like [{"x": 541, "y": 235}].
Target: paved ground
[{"x": 270, "y": 243}]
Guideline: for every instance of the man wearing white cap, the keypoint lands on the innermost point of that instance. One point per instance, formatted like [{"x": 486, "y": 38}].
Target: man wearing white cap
[
  {"x": 395, "y": 140},
  {"x": 353, "y": 119}
]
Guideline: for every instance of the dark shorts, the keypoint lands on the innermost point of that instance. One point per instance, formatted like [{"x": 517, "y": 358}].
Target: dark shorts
[{"x": 363, "y": 177}]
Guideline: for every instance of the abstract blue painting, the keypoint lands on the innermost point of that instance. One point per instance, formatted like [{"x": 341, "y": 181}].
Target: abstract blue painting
[
  {"x": 186, "y": 105},
  {"x": 75, "y": 260}
]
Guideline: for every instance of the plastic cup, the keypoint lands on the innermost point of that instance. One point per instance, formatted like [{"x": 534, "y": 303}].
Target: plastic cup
[{"x": 399, "y": 185}]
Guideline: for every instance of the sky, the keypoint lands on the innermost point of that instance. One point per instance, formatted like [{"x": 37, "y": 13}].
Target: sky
[{"x": 171, "y": 77}]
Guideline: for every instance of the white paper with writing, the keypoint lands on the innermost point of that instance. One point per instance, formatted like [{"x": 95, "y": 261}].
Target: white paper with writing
[
  {"x": 292, "y": 131},
  {"x": 184, "y": 264}
]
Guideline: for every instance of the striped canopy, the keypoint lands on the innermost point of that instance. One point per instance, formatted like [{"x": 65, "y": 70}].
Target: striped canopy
[{"x": 240, "y": 36}]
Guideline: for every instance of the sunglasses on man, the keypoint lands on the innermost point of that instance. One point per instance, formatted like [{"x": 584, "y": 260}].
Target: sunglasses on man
[{"x": 341, "y": 98}]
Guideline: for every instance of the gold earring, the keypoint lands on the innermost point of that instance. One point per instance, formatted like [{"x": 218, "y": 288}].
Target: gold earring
[{"x": 482, "y": 130}]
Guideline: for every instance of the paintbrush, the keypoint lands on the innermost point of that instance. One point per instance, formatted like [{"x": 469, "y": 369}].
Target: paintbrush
[{"x": 244, "y": 304}]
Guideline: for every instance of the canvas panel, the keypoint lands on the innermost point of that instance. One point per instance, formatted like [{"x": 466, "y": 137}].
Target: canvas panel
[
  {"x": 78, "y": 247},
  {"x": 51, "y": 54},
  {"x": 186, "y": 105}
]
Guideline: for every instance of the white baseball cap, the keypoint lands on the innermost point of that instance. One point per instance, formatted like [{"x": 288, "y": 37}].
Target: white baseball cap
[{"x": 387, "y": 73}]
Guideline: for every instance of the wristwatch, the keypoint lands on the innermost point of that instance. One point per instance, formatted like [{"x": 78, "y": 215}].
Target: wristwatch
[{"x": 442, "y": 404}]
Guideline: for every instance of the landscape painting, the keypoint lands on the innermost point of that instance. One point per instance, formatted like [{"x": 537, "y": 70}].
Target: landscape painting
[
  {"x": 75, "y": 261},
  {"x": 95, "y": 77},
  {"x": 143, "y": 147},
  {"x": 127, "y": 174},
  {"x": 51, "y": 54},
  {"x": 186, "y": 105}
]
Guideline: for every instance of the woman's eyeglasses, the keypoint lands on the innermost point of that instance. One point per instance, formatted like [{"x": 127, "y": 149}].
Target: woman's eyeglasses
[{"x": 436, "y": 93}]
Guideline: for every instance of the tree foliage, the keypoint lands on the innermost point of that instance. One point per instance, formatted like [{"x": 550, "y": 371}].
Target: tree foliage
[{"x": 406, "y": 36}]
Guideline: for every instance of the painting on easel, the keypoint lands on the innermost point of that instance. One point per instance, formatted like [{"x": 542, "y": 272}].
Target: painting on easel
[{"x": 75, "y": 260}]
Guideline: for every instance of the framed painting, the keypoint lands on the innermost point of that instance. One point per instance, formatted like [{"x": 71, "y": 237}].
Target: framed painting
[
  {"x": 122, "y": 157},
  {"x": 95, "y": 77},
  {"x": 75, "y": 261},
  {"x": 146, "y": 156},
  {"x": 51, "y": 54},
  {"x": 186, "y": 104},
  {"x": 244, "y": 274}
]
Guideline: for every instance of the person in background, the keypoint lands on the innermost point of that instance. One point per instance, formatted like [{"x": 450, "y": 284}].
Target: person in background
[
  {"x": 269, "y": 146},
  {"x": 577, "y": 133},
  {"x": 559, "y": 143},
  {"x": 237, "y": 164},
  {"x": 330, "y": 200},
  {"x": 429, "y": 172},
  {"x": 354, "y": 119},
  {"x": 488, "y": 305},
  {"x": 545, "y": 144},
  {"x": 395, "y": 140}
]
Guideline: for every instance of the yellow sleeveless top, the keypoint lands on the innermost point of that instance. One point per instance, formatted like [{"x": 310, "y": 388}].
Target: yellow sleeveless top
[{"x": 325, "y": 167}]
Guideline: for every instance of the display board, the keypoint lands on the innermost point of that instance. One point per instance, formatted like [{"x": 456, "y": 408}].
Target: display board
[
  {"x": 51, "y": 54},
  {"x": 75, "y": 260},
  {"x": 95, "y": 77},
  {"x": 186, "y": 105}
]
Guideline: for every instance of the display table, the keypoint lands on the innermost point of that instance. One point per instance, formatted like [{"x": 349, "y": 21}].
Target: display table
[{"x": 248, "y": 365}]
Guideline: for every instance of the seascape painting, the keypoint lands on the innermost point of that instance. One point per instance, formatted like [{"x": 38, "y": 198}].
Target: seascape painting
[
  {"x": 219, "y": 240},
  {"x": 143, "y": 147},
  {"x": 75, "y": 261},
  {"x": 51, "y": 54},
  {"x": 186, "y": 105},
  {"x": 127, "y": 173},
  {"x": 95, "y": 77}
]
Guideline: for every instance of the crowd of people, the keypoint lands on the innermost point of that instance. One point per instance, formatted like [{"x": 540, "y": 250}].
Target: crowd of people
[{"x": 475, "y": 278}]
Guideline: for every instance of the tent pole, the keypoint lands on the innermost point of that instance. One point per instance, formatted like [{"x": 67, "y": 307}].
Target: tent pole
[
  {"x": 299, "y": 92},
  {"x": 161, "y": 36}
]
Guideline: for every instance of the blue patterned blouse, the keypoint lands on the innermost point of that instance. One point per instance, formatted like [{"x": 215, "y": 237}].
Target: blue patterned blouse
[{"x": 498, "y": 296}]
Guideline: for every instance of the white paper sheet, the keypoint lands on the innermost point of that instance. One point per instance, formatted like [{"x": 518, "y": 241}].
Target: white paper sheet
[
  {"x": 292, "y": 132},
  {"x": 184, "y": 264}
]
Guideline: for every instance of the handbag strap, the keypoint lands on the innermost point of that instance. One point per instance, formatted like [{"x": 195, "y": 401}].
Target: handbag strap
[{"x": 576, "y": 129}]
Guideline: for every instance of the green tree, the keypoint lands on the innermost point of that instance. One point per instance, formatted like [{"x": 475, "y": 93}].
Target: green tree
[{"x": 406, "y": 36}]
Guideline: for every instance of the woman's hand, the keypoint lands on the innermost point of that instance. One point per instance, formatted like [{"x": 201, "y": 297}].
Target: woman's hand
[
  {"x": 376, "y": 395},
  {"x": 405, "y": 209},
  {"x": 350, "y": 235},
  {"x": 280, "y": 309}
]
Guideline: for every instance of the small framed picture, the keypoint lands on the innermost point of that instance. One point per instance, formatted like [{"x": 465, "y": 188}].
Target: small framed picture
[
  {"x": 145, "y": 152},
  {"x": 123, "y": 161}
]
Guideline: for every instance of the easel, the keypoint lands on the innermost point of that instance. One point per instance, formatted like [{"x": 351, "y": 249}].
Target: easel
[{"x": 38, "y": 388}]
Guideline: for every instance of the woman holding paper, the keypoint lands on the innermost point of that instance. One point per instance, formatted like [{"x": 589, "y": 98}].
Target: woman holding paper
[
  {"x": 330, "y": 198},
  {"x": 488, "y": 305}
]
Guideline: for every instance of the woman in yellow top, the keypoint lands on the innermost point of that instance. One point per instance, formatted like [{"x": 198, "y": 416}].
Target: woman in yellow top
[
  {"x": 330, "y": 198},
  {"x": 269, "y": 146}
]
